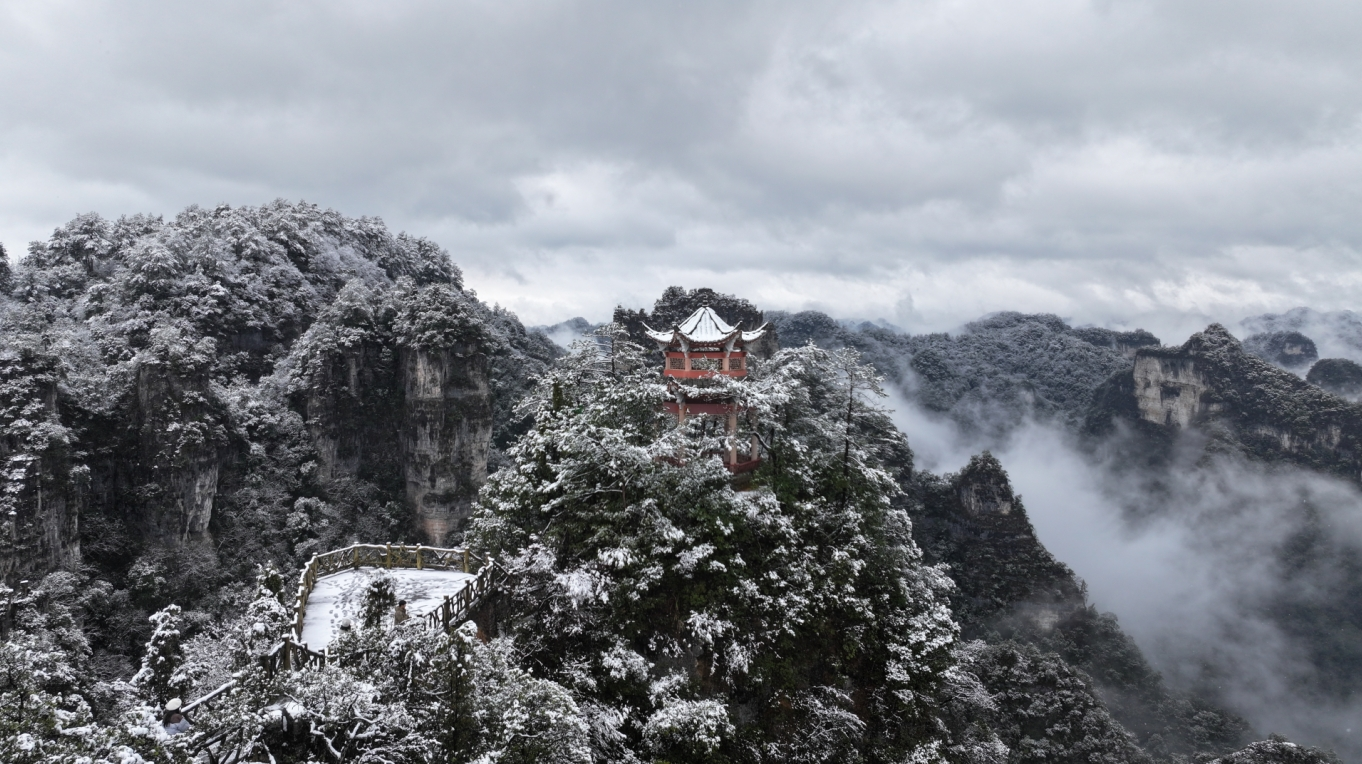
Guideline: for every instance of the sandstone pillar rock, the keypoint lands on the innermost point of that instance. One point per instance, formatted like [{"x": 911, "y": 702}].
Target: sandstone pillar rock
[
  {"x": 180, "y": 435},
  {"x": 42, "y": 490},
  {"x": 446, "y": 434}
]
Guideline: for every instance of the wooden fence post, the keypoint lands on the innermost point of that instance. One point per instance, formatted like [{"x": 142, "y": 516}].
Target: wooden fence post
[{"x": 296, "y": 656}]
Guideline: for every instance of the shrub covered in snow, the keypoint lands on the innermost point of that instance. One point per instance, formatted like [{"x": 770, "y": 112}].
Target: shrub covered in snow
[{"x": 696, "y": 622}]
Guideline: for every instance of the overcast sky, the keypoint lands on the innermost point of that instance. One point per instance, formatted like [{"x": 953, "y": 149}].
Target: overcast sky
[{"x": 1121, "y": 163}]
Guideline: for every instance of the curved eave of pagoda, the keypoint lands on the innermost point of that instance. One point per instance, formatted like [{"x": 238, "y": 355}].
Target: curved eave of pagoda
[
  {"x": 729, "y": 338},
  {"x": 661, "y": 338},
  {"x": 755, "y": 333},
  {"x": 677, "y": 339}
]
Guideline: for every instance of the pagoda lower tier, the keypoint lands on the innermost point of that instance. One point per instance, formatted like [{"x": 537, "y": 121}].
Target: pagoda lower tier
[
  {"x": 700, "y": 407},
  {"x": 729, "y": 410}
]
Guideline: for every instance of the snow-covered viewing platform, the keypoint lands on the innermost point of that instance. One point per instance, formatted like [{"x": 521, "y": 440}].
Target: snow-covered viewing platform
[
  {"x": 440, "y": 587},
  {"x": 340, "y": 596}
]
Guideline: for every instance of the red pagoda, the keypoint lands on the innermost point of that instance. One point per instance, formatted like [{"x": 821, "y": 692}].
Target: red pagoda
[{"x": 704, "y": 346}]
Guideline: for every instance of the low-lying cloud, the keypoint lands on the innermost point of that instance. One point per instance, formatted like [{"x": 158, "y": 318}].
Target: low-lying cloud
[{"x": 1193, "y": 561}]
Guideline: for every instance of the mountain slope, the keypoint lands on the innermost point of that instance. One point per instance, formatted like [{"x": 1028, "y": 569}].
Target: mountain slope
[
  {"x": 1241, "y": 402},
  {"x": 183, "y": 400},
  {"x": 1009, "y": 587},
  {"x": 992, "y": 375}
]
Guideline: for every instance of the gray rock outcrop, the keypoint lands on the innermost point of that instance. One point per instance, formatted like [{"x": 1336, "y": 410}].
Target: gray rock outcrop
[
  {"x": 182, "y": 438},
  {"x": 446, "y": 434},
  {"x": 42, "y": 489},
  {"x": 1241, "y": 402}
]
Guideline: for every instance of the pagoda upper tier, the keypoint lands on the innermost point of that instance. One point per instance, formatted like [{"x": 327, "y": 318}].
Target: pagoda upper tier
[
  {"x": 704, "y": 330},
  {"x": 705, "y": 344}
]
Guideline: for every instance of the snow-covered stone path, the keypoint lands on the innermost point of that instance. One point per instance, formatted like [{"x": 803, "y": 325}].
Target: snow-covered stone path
[{"x": 341, "y": 595}]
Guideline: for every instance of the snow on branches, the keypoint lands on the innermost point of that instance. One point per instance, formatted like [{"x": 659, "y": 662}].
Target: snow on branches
[{"x": 634, "y": 561}]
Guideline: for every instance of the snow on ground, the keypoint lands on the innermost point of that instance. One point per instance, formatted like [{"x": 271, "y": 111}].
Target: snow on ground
[{"x": 341, "y": 595}]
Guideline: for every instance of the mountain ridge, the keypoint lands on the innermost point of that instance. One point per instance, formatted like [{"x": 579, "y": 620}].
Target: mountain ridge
[{"x": 190, "y": 406}]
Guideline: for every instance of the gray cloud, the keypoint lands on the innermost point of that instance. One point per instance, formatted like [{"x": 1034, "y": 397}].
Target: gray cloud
[
  {"x": 1194, "y": 570},
  {"x": 1118, "y": 162}
]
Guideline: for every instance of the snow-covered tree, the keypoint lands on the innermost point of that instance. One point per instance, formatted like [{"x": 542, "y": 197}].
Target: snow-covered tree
[
  {"x": 380, "y": 597},
  {"x": 47, "y": 689},
  {"x": 6, "y": 273},
  {"x": 698, "y": 621},
  {"x": 266, "y": 620},
  {"x": 160, "y": 677}
]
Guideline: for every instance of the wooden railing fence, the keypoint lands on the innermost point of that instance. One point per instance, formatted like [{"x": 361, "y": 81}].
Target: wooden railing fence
[
  {"x": 456, "y": 608},
  {"x": 231, "y": 745},
  {"x": 385, "y": 556},
  {"x": 290, "y": 655}
]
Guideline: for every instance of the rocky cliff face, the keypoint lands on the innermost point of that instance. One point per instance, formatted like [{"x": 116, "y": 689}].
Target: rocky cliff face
[
  {"x": 1170, "y": 391},
  {"x": 1011, "y": 588},
  {"x": 276, "y": 380},
  {"x": 446, "y": 434},
  {"x": 1240, "y": 401},
  {"x": 42, "y": 488},
  {"x": 974, "y": 523},
  {"x": 416, "y": 420},
  {"x": 352, "y": 406},
  {"x": 182, "y": 438},
  {"x": 399, "y": 393}
]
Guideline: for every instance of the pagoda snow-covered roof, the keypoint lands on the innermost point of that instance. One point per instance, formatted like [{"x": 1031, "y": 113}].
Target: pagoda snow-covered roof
[{"x": 704, "y": 327}]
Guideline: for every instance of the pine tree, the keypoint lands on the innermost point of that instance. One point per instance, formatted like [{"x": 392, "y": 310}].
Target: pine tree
[
  {"x": 380, "y": 597},
  {"x": 160, "y": 677},
  {"x": 697, "y": 621},
  {"x": 6, "y": 274}
]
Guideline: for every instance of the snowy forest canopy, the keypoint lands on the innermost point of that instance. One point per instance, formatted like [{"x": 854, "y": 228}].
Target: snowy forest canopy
[{"x": 192, "y": 408}]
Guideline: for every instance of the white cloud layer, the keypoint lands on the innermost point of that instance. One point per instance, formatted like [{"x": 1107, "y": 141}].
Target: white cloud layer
[
  {"x": 1194, "y": 571},
  {"x": 1152, "y": 163}
]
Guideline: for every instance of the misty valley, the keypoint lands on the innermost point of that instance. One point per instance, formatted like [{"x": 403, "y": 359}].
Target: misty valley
[{"x": 276, "y": 485}]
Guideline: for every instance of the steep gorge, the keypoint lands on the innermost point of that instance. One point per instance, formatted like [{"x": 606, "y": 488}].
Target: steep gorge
[{"x": 1011, "y": 589}]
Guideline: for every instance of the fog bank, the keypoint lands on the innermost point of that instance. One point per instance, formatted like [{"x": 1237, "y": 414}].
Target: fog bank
[{"x": 1195, "y": 563}]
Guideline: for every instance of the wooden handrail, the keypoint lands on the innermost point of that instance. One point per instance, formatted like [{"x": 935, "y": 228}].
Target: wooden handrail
[
  {"x": 378, "y": 555},
  {"x": 455, "y": 608},
  {"x": 291, "y": 654},
  {"x": 193, "y": 704}
]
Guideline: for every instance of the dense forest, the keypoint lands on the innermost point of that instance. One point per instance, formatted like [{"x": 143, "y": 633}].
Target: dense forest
[{"x": 193, "y": 408}]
